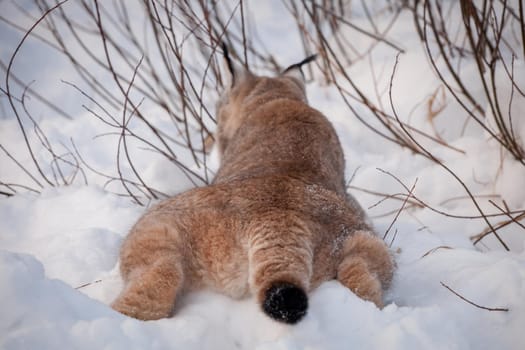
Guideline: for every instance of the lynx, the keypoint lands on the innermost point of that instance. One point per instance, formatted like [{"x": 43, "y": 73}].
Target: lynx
[{"x": 275, "y": 223}]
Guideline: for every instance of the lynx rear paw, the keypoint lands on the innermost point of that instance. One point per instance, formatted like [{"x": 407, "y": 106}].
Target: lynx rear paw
[
  {"x": 355, "y": 275},
  {"x": 141, "y": 308},
  {"x": 151, "y": 291},
  {"x": 285, "y": 302},
  {"x": 367, "y": 267}
]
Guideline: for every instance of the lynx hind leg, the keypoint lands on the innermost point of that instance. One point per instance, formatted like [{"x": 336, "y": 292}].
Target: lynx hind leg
[
  {"x": 152, "y": 270},
  {"x": 367, "y": 266},
  {"x": 280, "y": 269}
]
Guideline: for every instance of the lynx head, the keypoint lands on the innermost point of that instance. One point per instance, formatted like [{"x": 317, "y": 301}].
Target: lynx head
[{"x": 246, "y": 91}]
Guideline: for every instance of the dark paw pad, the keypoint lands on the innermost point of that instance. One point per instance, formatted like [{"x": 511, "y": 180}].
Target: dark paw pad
[{"x": 285, "y": 302}]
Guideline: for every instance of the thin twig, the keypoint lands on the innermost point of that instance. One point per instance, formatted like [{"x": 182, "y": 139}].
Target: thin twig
[{"x": 473, "y": 303}]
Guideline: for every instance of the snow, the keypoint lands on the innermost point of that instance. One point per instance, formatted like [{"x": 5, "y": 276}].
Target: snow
[
  {"x": 59, "y": 248},
  {"x": 48, "y": 313}
]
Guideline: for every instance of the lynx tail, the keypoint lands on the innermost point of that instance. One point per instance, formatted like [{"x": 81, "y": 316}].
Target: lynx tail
[{"x": 285, "y": 302}]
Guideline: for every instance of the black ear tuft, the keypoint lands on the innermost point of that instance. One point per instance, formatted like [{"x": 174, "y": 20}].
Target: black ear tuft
[
  {"x": 300, "y": 64},
  {"x": 228, "y": 60},
  {"x": 285, "y": 302}
]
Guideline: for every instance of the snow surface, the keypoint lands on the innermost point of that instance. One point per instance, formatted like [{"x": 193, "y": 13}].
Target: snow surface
[{"x": 59, "y": 249}]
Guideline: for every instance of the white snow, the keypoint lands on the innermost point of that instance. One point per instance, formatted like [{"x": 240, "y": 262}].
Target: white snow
[{"x": 59, "y": 248}]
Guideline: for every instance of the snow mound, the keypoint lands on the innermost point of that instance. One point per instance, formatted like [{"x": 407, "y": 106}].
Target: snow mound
[{"x": 44, "y": 313}]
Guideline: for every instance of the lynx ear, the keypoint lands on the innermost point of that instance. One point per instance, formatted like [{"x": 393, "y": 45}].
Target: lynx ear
[
  {"x": 295, "y": 71},
  {"x": 236, "y": 71}
]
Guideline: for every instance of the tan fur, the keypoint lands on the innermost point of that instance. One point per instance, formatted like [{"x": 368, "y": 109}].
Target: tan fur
[{"x": 277, "y": 212}]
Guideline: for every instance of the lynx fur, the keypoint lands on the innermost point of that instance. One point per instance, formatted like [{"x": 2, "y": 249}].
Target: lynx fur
[{"x": 275, "y": 222}]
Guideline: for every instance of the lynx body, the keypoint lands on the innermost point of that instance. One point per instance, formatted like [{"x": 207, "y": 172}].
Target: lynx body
[{"x": 275, "y": 223}]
